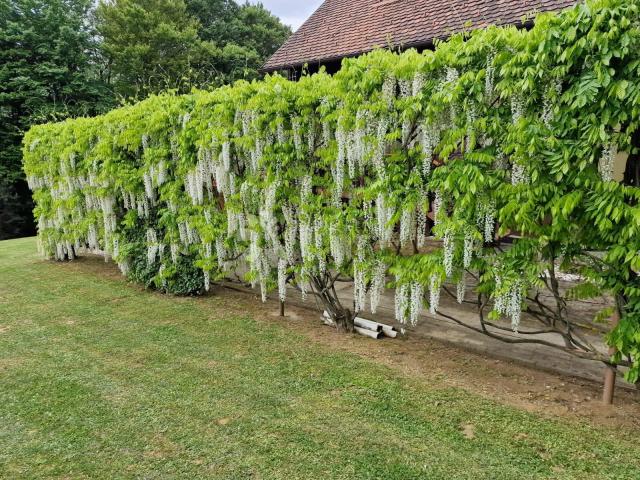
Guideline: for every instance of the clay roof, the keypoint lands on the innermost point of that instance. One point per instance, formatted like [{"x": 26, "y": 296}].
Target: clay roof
[{"x": 342, "y": 28}]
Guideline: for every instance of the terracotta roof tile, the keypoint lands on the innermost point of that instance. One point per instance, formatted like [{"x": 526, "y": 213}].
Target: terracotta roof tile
[{"x": 341, "y": 28}]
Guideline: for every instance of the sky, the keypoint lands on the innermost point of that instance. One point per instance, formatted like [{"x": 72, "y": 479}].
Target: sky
[{"x": 291, "y": 12}]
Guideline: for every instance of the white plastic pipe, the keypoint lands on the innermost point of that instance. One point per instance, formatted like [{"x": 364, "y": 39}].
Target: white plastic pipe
[
  {"x": 364, "y": 324},
  {"x": 368, "y": 333},
  {"x": 389, "y": 331},
  {"x": 368, "y": 324}
]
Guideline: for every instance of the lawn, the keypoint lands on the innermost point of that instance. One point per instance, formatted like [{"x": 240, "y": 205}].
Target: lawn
[{"x": 100, "y": 379}]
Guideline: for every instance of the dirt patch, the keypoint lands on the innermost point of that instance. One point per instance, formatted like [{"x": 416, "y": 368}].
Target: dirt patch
[
  {"x": 468, "y": 431},
  {"x": 160, "y": 447}
]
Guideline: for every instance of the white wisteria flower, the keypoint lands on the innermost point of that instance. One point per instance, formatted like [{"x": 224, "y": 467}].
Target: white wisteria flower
[
  {"x": 417, "y": 299},
  {"x": 434, "y": 294},
  {"x": 377, "y": 285},
  {"x": 402, "y": 302},
  {"x": 606, "y": 162}
]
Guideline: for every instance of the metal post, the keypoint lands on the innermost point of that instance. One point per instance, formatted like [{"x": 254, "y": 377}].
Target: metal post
[{"x": 610, "y": 370}]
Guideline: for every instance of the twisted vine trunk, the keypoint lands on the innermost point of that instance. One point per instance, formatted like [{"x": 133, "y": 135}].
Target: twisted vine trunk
[
  {"x": 344, "y": 322},
  {"x": 324, "y": 289}
]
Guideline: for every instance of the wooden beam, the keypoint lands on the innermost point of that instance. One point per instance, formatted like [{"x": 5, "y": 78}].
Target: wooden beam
[{"x": 610, "y": 370}]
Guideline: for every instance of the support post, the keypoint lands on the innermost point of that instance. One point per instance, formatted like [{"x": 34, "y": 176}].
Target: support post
[
  {"x": 610, "y": 370},
  {"x": 281, "y": 308}
]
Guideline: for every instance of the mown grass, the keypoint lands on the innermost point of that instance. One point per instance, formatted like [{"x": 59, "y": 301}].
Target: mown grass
[{"x": 99, "y": 379}]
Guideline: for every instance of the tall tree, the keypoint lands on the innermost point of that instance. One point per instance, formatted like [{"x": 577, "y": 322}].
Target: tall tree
[
  {"x": 153, "y": 45},
  {"x": 261, "y": 30},
  {"x": 47, "y": 72},
  {"x": 216, "y": 18},
  {"x": 247, "y": 34}
]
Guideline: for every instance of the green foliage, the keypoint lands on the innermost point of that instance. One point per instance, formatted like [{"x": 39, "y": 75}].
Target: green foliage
[
  {"x": 502, "y": 140},
  {"x": 247, "y": 34},
  {"x": 152, "y": 46},
  {"x": 47, "y": 72},
  {"x": 179, "y": 278}
]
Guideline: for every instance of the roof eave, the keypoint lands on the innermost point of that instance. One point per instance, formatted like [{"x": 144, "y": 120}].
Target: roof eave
[
  {"x": 420, "y": 44},
  {"x": 286, "y": 66}
]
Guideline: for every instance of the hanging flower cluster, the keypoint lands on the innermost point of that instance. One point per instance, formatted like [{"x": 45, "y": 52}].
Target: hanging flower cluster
[
  {"x": 243, "y": 189},
  {"x": 605, "y": 165},
  {"x": 508, "y": 300}
]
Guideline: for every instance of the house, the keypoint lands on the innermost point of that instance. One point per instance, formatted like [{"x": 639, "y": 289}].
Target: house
[{"x": 348, "y": 28}]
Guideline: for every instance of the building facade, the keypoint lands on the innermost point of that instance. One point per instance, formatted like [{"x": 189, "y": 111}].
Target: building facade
[{"x": 348, "y": 28}]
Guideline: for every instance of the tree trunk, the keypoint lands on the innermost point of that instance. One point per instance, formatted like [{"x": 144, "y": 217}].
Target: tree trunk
[
  {"x": 326, "y": 293},
  {"x": 344, "y": 322}
]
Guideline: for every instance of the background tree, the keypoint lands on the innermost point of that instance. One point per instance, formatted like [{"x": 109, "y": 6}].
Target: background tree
[
  {"x": 47, "y": 72},
  {"x": 55, "y": 64},
  {"x": 247, "y": 34},
  {"x": 261, "y": 30},
  {"x": 153, "y": 45}
]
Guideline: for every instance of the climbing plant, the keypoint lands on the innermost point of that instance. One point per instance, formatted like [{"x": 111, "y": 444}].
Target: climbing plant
[{"x": 482, "y": 171}]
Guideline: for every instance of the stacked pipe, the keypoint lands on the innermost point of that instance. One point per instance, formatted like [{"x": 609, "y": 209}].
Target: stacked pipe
[{"x": 367, "y": 328}]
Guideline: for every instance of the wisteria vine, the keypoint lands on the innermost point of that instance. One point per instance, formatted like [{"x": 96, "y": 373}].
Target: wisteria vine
[{"x": 485, "y": 164}]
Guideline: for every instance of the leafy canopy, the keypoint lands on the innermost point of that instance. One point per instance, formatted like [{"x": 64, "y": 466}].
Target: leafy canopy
[
  {"x": 156, "y": 45},
  {"x": 47, "y": 72}
]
